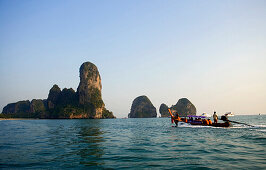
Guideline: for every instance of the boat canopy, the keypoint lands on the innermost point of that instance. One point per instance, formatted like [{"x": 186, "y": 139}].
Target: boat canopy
[{"x": 196, "y": 116}]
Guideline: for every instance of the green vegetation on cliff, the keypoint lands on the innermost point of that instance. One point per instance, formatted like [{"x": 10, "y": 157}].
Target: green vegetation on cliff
[
  {"x": 164, "y": 110},
  {"x": 184, "y": 107},
  {"x": 142, "y": 108},
  {"x": 96, "y": 98},
  {"x": 38, "y": 108},
  {"x": 85, "y": 103},
  {"x": 107, "y": 114}
]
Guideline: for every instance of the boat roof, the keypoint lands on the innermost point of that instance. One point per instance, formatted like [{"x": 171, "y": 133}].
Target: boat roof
[{"x": 197, "y": 116}]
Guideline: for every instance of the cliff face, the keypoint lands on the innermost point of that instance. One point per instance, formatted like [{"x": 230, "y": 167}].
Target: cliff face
[
  {"x": 164, "y": 110},
  {"x": 85, "y": 103},
  {"x": 184, "y": 107},
  {"x": 18, "y": 107},
  {"x": 142, "y": 108},
  {"x": 90, "y": 81},
  {"x": 38, "y": 108},
  {"x": 53, "y": 96},
  {"x": 34, "y": 109},
  {"x": 63, "y": 104},
  {"x": 90, "y": 89}
]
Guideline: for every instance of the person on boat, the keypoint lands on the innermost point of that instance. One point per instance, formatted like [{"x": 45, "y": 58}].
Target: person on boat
[
  {"x": 176, "y": 119},
  {"x": 210, "y": 122},
  {"x": 205, "y": 122},
  {"x": 215, "y": 117},
  {"x": 225, "y": 118}
]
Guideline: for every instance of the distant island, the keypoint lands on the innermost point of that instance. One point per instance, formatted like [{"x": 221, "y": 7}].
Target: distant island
[
  {"x": 86, "y": 103},
  {"x": 142, "y": 108},
  {"x": 183, "y": 107}
]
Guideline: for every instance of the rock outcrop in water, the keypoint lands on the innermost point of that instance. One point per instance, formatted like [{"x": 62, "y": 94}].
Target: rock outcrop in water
[
  {"x": 90, "y": 89},
  {"x": 142, "y": 108},
  {"x": 164, "y": 110},
  {"x": 85, "y": 103},
  {"x": 184, "y": 107}
]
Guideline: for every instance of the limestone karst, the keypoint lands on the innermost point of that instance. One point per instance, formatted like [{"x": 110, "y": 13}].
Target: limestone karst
[
  {"x": 164, "y": 110},
  {"x": 142, "y": 108},
  {"x": 184, "y": 107},
  {"x": 85, "y": 103}
]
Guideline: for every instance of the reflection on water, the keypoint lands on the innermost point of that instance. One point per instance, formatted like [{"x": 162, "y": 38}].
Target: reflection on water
[
  {"x": 78, "y": 141},
  {"x": 91, "y": 137}
]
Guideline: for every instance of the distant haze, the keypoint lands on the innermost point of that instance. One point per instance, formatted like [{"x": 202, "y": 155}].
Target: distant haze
[{"x": 211, "y": 52}]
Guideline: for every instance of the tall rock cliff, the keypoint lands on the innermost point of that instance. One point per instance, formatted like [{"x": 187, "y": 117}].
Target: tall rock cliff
[
  {"x": 164, "y": 110},
  {"x": 90, "y": 89},
  {"x": 85, "y": 103},
  {"x": 142, "y": 108},
  {"x": 184, "y": 107},
  {"x": 53, "y": 96}
]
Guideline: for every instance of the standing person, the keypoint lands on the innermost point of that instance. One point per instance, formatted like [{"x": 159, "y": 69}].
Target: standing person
[{"x": 215, "y": 117}]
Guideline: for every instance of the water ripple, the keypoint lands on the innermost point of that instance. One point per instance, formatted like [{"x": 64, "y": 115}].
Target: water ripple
[{"x": 129, "y": 144}]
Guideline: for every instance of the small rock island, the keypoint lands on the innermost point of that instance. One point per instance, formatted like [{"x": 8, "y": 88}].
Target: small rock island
[
  {"x": 142, "y": 108},
  {"x": 183, "y": 107},
  {"x": 66, "y": 104},
  {"x": 164, "y": 110}
]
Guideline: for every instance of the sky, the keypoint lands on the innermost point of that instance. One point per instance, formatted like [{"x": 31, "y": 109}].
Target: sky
[{"x": 212, "y": 52}]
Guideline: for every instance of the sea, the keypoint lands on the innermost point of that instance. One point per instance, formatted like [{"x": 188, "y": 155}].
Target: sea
[{"x": 151, "y": 143}]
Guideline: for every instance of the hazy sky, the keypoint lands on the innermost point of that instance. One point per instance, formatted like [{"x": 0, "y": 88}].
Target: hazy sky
[{"x": 211, "y": 52}]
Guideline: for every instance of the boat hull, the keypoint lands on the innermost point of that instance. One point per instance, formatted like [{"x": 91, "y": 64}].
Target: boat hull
[{"x": 225, "y": 124}]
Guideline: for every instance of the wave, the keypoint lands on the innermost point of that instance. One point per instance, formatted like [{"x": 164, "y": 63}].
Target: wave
[
  {"x": 263, "y": 126},
  {"x": 260, "y": 130}
]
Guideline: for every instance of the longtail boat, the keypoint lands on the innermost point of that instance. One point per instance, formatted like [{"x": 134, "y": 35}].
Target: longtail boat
[{"x": 197, "y": 120}]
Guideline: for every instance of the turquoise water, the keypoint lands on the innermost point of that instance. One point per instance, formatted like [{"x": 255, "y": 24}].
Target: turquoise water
[{"x": 131, "y": 144}]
